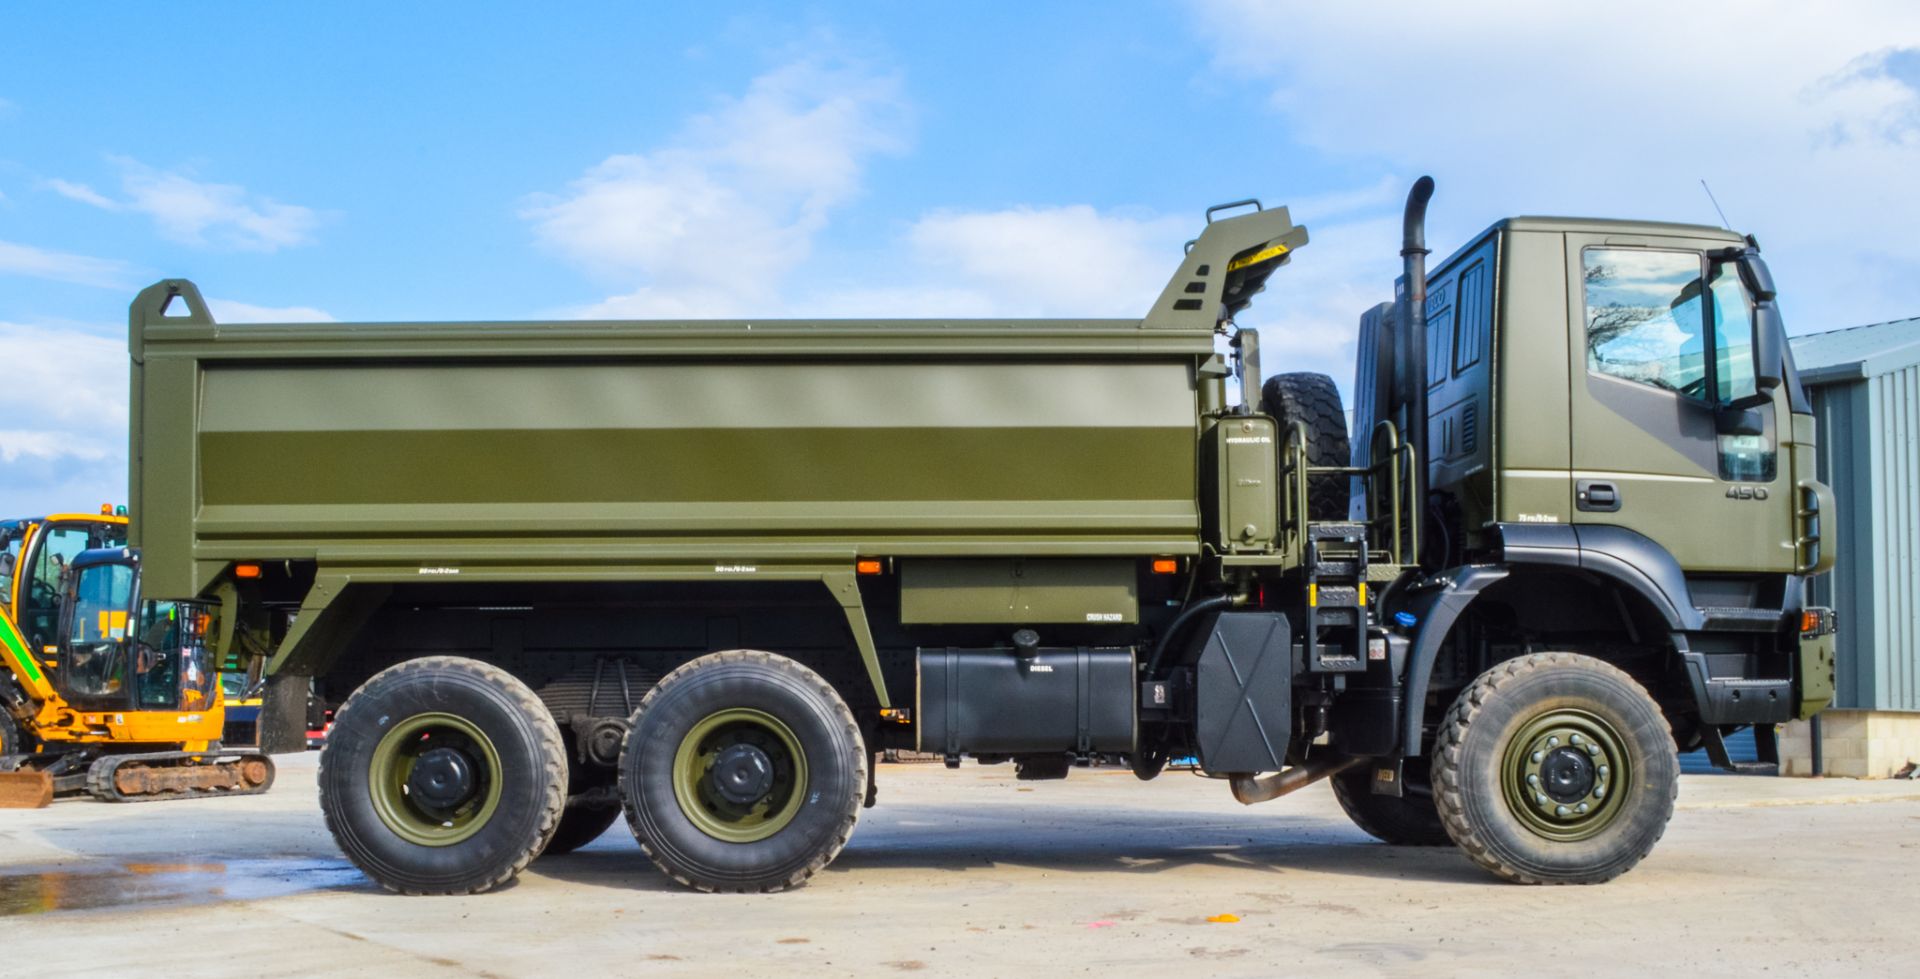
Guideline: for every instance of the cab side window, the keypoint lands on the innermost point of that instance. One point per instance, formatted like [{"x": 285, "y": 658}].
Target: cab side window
[
  {"x": 40, "y": 593},
  {"x": 9, "y": 556},
  {"x": 1645, "y": 322}
]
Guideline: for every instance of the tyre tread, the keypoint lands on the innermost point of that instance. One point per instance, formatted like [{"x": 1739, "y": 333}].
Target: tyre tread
[
  {"x": 1313, "y": 400},
  {"x": 844, "y": 829},
  {"x": 554, "y": 751},
  {"x": 1448, "y": 757}
]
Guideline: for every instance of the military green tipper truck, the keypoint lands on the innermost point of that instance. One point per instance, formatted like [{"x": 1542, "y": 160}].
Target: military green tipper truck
[{"x": 703, "y": 572}]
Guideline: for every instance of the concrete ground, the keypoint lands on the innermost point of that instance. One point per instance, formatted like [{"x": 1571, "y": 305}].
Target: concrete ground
[{"x": 970, "y": 873}]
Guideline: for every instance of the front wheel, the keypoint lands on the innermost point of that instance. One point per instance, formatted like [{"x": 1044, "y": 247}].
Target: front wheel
[
  {"x": 1555, "y": 768},
  {"x": 442, "y": 775},
  {"x": 743, "y": 772}
]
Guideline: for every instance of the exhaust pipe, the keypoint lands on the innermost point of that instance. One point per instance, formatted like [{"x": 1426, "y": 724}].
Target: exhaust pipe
[
  {"x": 1249, "y": 789},
  {"x": 1413, "y": 256}
]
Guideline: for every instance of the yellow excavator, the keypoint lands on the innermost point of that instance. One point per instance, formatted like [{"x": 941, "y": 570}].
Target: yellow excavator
[{"x": 103, "y": 693}]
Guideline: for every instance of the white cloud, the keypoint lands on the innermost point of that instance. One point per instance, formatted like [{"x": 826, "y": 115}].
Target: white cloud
[
  {"x": 64, "y": 444},
  {"x": 82, "y": 193},
  {"x": 196, "y": 212},
  {"x": 710, "y": 223},
  {"x": 1054, "y": 261},
  {"x": 1805, "y": 119},
  {"x": 39, "y": 263},
  {"x": 230, "y": 311}
]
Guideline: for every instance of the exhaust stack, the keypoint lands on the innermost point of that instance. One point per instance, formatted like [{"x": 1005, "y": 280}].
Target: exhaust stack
[{"x": 1413, "y": 348}]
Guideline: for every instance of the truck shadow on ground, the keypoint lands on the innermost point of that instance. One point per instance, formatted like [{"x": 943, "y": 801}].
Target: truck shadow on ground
[{"x": 1069, "y": 840}]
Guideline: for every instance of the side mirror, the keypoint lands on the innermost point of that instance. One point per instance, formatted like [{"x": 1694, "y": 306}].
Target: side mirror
[{"x": 1756, "y": 277}]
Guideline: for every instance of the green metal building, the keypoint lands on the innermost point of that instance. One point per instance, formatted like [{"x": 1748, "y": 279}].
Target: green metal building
[{"x": 1865, "y": 386}]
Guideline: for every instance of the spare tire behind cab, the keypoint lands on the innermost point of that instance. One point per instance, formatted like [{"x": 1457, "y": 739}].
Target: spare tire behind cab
[{"x": 1313, "y": 401}]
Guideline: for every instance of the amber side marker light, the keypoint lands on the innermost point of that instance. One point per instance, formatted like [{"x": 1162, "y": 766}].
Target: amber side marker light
[
  {"x": 867, "y": 566},
  {"x": 1165, "y": 565},
  {"x": 246, "y": 571}
]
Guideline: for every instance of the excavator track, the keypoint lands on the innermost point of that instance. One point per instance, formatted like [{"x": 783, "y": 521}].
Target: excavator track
[{"x": 166, "y": 775}]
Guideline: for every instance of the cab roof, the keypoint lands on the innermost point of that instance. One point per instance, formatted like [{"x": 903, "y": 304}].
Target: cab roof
[{"x": 1616, "y": 226}]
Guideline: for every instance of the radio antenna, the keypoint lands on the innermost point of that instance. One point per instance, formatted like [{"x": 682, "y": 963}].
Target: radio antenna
[{"x": 1716, "y": 204}]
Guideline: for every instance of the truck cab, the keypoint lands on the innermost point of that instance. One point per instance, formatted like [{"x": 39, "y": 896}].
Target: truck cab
[{"x": 1620, "y": 460}]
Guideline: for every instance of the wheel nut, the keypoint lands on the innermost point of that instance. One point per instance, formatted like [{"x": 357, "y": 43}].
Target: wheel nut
[
  {"x": 1560, "y": 810},
  {"x": 1553, "y": 742},
  {"x": 1603, "y": 771},
  {"x": 1599, "y": 791},
  {"x": 1574, "y": 739},
  {"x": 1582, "y": 807},
  {"x": 1533, "y": 780},
  {"x": 1541, "y": 799},
  {"x": 1539, "y": 755},
  {"x": 1593, "y": 749}
]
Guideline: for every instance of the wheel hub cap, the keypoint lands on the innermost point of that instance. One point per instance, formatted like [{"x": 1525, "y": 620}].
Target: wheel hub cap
[
  {"x": 739, "y": 775},
  {"x": 435, "y": 779},
  {"x": 1560, "y": 771},
  {"x": 742, "y": 774},
  {"x": 1567, "y": 775},
  {"x": 442, "y": 778}
]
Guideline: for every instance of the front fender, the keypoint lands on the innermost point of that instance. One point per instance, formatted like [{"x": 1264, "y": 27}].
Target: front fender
[{"x": 1435, "y": 603}]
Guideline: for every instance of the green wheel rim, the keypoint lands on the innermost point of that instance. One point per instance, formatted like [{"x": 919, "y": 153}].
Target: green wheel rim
[
  {"x": 394, "y": 760},
  {"x": 695, "y": 785},
  {"x": 1563, "y": 774}
]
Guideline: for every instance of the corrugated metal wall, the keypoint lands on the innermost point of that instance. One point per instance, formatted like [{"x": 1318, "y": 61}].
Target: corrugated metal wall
[
  {"x": 1842, "y": 420},
  {"x": 1869, "y": 433},
  {"x": 1895, "y": 431}
]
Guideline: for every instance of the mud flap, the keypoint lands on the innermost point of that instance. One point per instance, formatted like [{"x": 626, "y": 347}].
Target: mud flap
[{"x": 283, "y": 714}]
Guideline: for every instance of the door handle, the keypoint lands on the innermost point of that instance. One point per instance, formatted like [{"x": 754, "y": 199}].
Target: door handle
[{"x": 1596, "y": 496}]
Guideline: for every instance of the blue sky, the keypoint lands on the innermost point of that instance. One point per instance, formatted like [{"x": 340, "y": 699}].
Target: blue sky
[{"x": 477, "y": 160}]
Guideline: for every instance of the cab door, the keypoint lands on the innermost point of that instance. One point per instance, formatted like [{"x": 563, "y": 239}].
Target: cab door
[{"x": 1661, "y": 349}]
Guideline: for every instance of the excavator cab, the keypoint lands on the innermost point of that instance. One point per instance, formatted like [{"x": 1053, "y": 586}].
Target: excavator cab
[
  {"x": 119, "y": 652},
  {"x": 35, "y": 553}
]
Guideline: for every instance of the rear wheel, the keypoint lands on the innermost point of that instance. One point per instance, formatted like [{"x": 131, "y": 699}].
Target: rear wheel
[
  {"x": 743, "y": 772},
  {"x": 442, "y": 776},
  {"x": 1406, "y": 820},
  {"x": 1313, "y": 401},
  {"x": 1555, "y": 768}
]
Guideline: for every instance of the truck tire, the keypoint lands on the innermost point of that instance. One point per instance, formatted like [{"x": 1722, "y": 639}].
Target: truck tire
[
  {"x": 1555, "y": 768},
  {"x": 743, "y": 772},
  {"x": 1314, "y": 401},
  {"x": 1408, "y": 820},
  {"x": 583, "y": 820},
  {"x": 442, "y": 775}
]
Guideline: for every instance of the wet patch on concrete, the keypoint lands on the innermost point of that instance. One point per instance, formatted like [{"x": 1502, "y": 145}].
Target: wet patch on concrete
[{"x": 26, "y": 890}]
